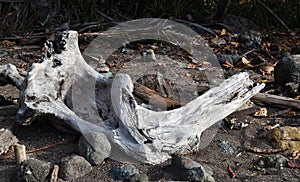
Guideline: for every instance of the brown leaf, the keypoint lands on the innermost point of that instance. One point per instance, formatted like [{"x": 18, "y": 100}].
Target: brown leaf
[{"x": 262, "y": 112}]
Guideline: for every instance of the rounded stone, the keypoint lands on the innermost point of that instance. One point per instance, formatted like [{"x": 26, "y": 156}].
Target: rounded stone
[
  {"x": 73, "y": 167},
  {"x": 139, "y": 178},
  {"x": 287, "y": 69},
  {"x": 34, "y": 170},
  {"x": 123, "y": 172},
  {"x": 95, "y": 147},
  {"x": 183, "y": 162}
]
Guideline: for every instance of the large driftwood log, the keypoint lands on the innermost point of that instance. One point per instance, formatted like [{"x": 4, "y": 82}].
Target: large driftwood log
[{"x": 65, "y": 86}]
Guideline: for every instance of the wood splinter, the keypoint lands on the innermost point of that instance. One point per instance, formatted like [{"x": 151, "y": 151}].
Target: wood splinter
[
  {"x": 54, "y": 174},
  {"x": 20, "y": 153}
]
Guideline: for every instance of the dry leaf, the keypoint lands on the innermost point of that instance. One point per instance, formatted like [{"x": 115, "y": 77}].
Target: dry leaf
[
  {"x": 262, "y": 112},
  {"x": 224, "y": 32},
  {"x": 245, "y": 61}
]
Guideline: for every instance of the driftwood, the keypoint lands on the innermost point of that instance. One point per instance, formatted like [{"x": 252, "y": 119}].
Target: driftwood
[
  {"x": 147, "y": 94},
  {"x": 20, "y": 153},
  {"x": 65, "y": 86},
  {"x": 276, "y": 101},
  {"x": 10, "y": 75}
]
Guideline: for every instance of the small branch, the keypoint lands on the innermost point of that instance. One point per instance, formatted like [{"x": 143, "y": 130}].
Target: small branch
[
  {"x": 38, "y": 149},
  {"x": 106, "y": 16},
  {"x": 94, "y": 24},
  {"x": 273, "y": 14},
  {"x": 197, "y": 26},
  {"x": 263, "y": 151},
  {"x": 52, "y": 145},
  {"x": 148, "y": 94}
]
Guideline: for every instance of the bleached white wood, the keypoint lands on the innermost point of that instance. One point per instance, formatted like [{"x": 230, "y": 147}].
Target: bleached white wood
[
  {"x": 64, "y": 85},
  {"x": 10, "y": 75}
]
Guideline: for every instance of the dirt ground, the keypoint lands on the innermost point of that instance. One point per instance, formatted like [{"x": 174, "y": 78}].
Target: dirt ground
[{"x": 41, "y": 133}]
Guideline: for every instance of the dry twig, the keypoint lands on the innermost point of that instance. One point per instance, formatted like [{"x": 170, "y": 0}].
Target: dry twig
[
  {"x": 263, "y": 151},
  {"x": 42, "y": 148}
]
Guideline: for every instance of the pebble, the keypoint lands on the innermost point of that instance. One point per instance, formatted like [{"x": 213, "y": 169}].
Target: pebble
[
  {"x": 251, "y": 38},
  {"x": 34, "y": 170},
  {"x": 227, "y": 147},
  {"x": 287, "y": 71},
  {"x": 124, "y": 172},
  {"x": 95, "y": 147},
  {"x": 273, "y": 160},
  {"x": 139, "y": 178},
  {"x": 7, "y": 139},
  {"x": 232, "y": 59},
  {"x": 3, "y": 54},
  {"x": 73, "y": 167},
  {"x": 183, "y": 162},
  {"x": 194, "y": 170},
  {"x": 199, "y": 174}
]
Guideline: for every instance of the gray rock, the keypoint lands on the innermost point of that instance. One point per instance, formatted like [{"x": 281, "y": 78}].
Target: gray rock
[
  {"x": 183, "y": 162},
  {"x": 194, "y": 170},
  {"x": 287, "y": 71},
  {"x": 95, "y": 147},
  {"x": 200, "y": 174},
  {"x": 7, "y": 139},
  {"x": 251, "y": 39},
  {"x": 274, "y": 160},
  {"x": 3, "y": 54},
  {"x": 124, "y": 172},
  {"x": 232, "y": 59},
  {"x": 34, "y": 170},
  {"x": 227, "y": 147},
  {"x": 74, "y": 167},
  {"x": 139, "y": 178},
  {"x": 239, "y": 24}
]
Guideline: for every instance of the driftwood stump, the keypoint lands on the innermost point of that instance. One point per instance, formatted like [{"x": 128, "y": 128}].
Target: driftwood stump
[{"x": 65, "y": 86}]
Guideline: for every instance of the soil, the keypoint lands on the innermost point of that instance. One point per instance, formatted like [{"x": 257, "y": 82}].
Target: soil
[{"x": 41, "y": 133}]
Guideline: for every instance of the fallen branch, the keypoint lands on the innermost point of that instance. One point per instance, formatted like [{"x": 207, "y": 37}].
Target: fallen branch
[
  {"x": 147, "y": 95},
  {"x": 273, "y": 14},
  {"x": 275, "y": 101},
  {"x": 263, "y": 151},
  {"x": 197, "y": 26},
  {"x": 52, "y": 145}
]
